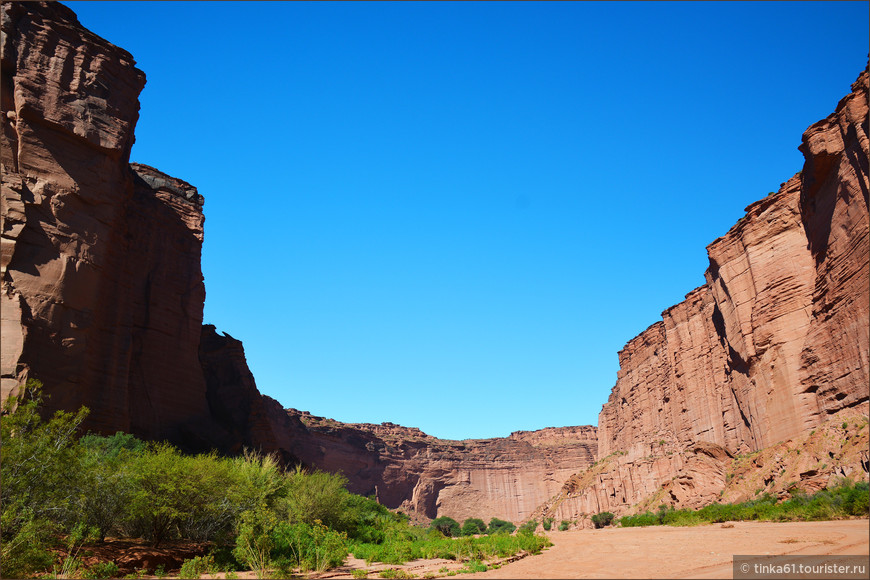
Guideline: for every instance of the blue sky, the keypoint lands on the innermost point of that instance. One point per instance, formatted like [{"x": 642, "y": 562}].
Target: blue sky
[{"x": 452, "y": 216}]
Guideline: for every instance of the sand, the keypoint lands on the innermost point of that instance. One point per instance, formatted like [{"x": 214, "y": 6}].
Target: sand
[{"x": 690, "y": 552}]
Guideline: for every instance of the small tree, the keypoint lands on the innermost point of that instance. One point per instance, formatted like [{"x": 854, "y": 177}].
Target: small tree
[
  {"x": 497, "y": 526},
  {"x": 547, "y": 523},
  {"x": 39, "y": 466},
  {"x": 446, "y": 525},
  {"x": 473, "y": 526},
  {"x": 602, "y": 519}
]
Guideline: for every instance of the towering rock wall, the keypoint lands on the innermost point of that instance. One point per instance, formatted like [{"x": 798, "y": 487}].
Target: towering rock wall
[
  {"x": 772, "y": 345},
  {"x": 102, "y": 291}
]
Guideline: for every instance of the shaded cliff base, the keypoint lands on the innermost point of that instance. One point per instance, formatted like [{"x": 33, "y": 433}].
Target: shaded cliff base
[{"x": 704, "y": 473}]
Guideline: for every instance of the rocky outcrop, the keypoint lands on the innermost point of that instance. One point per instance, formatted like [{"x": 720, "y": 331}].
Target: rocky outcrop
[{"x": 773, "y": 346}]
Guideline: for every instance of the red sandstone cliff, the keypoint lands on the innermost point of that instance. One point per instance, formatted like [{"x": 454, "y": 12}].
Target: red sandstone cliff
[
  {"x": 102, "y": 291},
  {"x": 426, "y": 477},
  {"x": 772, "y": 347}
]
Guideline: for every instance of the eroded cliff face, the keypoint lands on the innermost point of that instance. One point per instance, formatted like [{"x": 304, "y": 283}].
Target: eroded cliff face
[
  {"x": 426, "y": 477},
  {"x": 102, "y": 291},
  {"x": 774, "y": 345}
]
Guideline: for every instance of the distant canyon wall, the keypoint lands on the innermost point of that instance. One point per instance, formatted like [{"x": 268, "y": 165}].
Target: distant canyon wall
[
  {"x": 770, "y": 347},
  {"x": 425, "y": 477}
]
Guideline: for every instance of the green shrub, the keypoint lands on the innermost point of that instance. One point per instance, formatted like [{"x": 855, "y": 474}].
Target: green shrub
[
  {"x": 475, "y": 566},
  {"x": 105, "y": 484},
  {"x": 318, "y": 496},
  {"x": 254, "y": 542},
  {"x": 644, "y": 519},
  {"x": 842, "y": 500},
  {"x": 359, "y": 574},
  {"x": 856, "y": 499},
  {"x": 547, "y": 523},
  {"x": 103, "y": 570},
  {"x": 602, "y": 519},
  {"x": 528, "y": 527},
  {"x": 308, "y": 547},
  {"x": 497, "y": 526},
  {"x": 161, "y": 491},
  {"x": 447, "y": 526},
  {"x": 196, "y": 567},
  {"x": 39, "y": 470},
  {"x": 473, "y": 526},
  {"x": 563, "y": 526}
]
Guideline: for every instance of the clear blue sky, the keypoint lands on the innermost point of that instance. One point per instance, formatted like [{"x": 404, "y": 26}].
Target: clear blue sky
[{"x": 452, "y": 216}]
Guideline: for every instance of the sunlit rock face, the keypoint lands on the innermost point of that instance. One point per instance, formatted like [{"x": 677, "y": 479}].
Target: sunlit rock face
[
  {"x": 772, "y": 346},
  {"x": 426, "y": 477}
]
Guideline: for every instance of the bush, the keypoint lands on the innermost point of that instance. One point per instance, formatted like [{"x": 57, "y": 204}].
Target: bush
[
  {"x": 104, "y": 482},
  {"x": 308, "y": 547},
  {"x": 564, "y": 525},
  {"x": 161, "y": 491},
  {"x": 528, "y": 527},
  {"x": 842, "y": 500},
  {"x": 196, "y": 567},
  {"x": 475, "y": 566},
  {"x": 318, "y": 496},
  {"x": 446, "y": 525},
  {"x": 101, "y": 571},
  {"x": 255, "y": 542},
  {"x": 39, "y": 467},
  {"x": 602, "y": 519},
  {"x": 547, "y": 523},
  {"x": 473, "y": 526},
  {"x": 497, "y": 526}
]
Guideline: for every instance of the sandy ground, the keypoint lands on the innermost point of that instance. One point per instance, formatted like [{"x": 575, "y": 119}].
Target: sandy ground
[
  {"x": 650, "y": 552},
  {"x": 692, "y": 552}
]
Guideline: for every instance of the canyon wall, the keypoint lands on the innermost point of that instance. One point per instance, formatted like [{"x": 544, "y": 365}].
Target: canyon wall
[
  {"x": 102, "y": 299},
  {"x": 425, "y": 477},
  {"x": 773, "y": 346},
  {"x": 102, "y": 291}
]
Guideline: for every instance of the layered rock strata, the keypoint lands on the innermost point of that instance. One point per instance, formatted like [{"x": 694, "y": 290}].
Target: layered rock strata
[
  {"x": 772, "y": 346},
  {"x": 102, "y": 291},
  {"x": 426, "y": 477}
]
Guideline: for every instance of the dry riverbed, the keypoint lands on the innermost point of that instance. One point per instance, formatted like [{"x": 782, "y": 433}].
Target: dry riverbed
[
  {"x": 650, "y": 552},
  {"x": 690, "y": 552}
]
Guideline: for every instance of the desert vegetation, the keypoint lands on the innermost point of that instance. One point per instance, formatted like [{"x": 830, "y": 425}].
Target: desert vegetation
[
  {"x": 843, "y": 500},
  {"x": 63, "y": 493}
]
